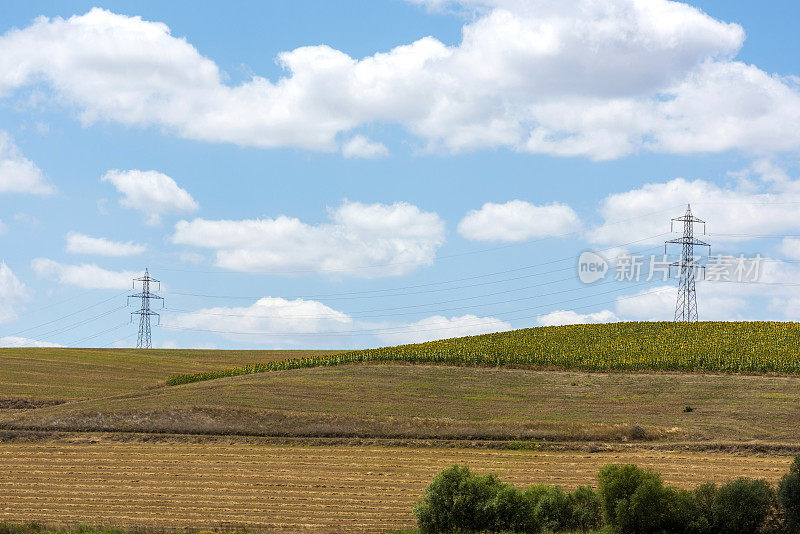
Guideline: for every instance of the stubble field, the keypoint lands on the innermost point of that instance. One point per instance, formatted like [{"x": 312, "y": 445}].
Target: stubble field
[{"x": 179, "y": 485}]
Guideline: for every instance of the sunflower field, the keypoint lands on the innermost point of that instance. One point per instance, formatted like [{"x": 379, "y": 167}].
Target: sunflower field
[{"x": 719, "y": 347}]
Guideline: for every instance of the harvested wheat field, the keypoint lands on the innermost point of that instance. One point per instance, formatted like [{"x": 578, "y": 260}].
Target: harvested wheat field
[{"x": 289, "y": 488}]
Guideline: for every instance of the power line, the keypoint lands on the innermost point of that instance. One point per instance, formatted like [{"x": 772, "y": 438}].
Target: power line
[
  {"x": 100, "y": 334},
  {"x": 352, "y": 295},
  {"x": 358, "y": 314},
  {"x": 67, "y": 315},
  {"x": 401, "y": 327},
  {"x": 758, "y": 236},
  {"x": 62, "y": 329},
  {"x": 440, "y": 257}
]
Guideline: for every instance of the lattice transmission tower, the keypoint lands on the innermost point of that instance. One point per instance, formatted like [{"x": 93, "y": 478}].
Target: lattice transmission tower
[
  {"x": 686, "y": 305},
  {"x": 144, "y": 341}
]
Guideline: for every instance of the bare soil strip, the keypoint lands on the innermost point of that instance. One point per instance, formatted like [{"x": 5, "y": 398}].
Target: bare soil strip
[{"x": 293, "y": 487}]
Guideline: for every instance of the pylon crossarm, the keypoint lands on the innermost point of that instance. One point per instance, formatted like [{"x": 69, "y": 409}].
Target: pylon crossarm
[{"x": 690, "y": 241}]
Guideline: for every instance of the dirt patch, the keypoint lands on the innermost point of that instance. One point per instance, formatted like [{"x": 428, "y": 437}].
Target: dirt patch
[{"x": 26, "y": 404}]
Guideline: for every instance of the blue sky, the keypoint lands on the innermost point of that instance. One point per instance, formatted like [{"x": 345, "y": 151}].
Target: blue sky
[{"x": 317, "y": 174}]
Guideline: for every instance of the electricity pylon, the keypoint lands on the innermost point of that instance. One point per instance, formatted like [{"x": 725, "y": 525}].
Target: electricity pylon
[
  {"x": 686, "y": 305},
  {"x": 144, "y": 313}
]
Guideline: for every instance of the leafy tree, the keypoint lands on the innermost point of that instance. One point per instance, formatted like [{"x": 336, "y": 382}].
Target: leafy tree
[
  {"x": 554, "y": 510},
  {"x": 789, "y": 496},
  {"x": 513, "y": 511},
  {"x": 616, "y": 486},
  {"x": 743, "y": 506},
  {"x": 457, "y": 500},
  {"x": 587, "y": 513}
]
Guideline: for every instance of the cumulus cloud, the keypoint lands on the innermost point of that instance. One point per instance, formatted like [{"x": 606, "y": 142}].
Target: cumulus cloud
[
  {"x": 583, "y": 77},
  {"x": 518, "y": 220},
  {"x": 440, "y": 327},
  {"x": 78, "y": 243},
  {"x": 15, "y": 341},
  {"x": 86, "y": 275},
  {"x": 269, "y": 320},
  {"x": 280, "y": 322},
  {"x": 750, "y": 207},
  {"x": 790, "y": 247},
  {"x": 151, "y": 192},
  {"x": 17, "y": 173},
  {"x": 367, "y": 240},
  {"x": 716, "y": 302},
  {"x": 13, "y": 293},
  {"x": 361, "y": 147},
  {"x": 561, "y": 317}
]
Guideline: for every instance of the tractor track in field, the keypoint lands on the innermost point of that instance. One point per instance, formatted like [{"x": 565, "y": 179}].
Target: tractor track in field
[{"x": 274, "y": 487}]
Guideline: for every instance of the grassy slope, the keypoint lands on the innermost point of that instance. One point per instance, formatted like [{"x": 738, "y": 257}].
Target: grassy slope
[
  {"x": 67, "y": 374},
  {"x": 749, "y": 347},
  {"x": 422, "y": 401}
]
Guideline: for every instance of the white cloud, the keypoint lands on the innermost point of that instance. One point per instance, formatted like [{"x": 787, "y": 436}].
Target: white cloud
[
  {"x": 361, "y": 147},
  {"x": 440, "y": 327},
  {"x": 280, "y": 322},
  {"x": 14, "y": 341},
  {"x": 17, "y": 173},
  {"x": 518, "y": 221},
  {"x": 86, "y": 275},
  {"x": 790, "y": 247},
  {"x": 749, "y": 208},
  {"x": 367, "y": 240},
  {"x": 561, "y": 317},
  {"x": 13, "y": 293},
  {"x": 715, "y": 302},
  {"x": 583, "y": 77},
  {"x": 78, "y": 243},
  {"x": 151, "y": 192},
  {"x": 271, "y": 320}
]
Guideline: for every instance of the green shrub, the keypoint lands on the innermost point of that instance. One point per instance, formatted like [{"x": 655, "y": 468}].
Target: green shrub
[
  {"x": 654, "y": 508},
  {"x": 513, "y": 511},
  {"x": 635, "y": 501},
  {"x": 704, "y": 496},
  {"x": 554, "y": 510},
  {"x": 458, "y": 500},
  {"x": 743, "y": 506},
  {"x": 630, "y": 500},
  {"x": 789, "y": 496},
  {"x": 587, "y": 513},
  {"x": 616, "y": 486}
]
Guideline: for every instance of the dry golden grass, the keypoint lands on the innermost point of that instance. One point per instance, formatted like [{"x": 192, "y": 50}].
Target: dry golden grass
[
  {"x": 423, "y": 401},
  {"x": 291, "y": 488},
  {"x": 68, "y": 374}
]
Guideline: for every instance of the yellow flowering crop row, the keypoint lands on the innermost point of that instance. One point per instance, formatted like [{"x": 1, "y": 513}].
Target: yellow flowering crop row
[{"x": 728, "y": 347}]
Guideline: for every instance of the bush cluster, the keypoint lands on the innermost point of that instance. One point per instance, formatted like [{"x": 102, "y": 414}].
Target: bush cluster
[
  {"x": 459, "y": 500},
  {"x": 628, "y": 500}
]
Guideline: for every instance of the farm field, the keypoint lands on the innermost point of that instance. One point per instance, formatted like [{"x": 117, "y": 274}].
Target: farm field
[
  {"x": 424, "y": 401},
  {"x": 717, "y": 347},
  {"x": 290, "y": 488},
  {"x": 318, "y": 442},
  {"x": 68, "y": 374}
]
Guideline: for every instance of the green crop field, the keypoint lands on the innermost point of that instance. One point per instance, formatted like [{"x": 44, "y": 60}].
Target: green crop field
[{"x": 723, "y": 347}]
